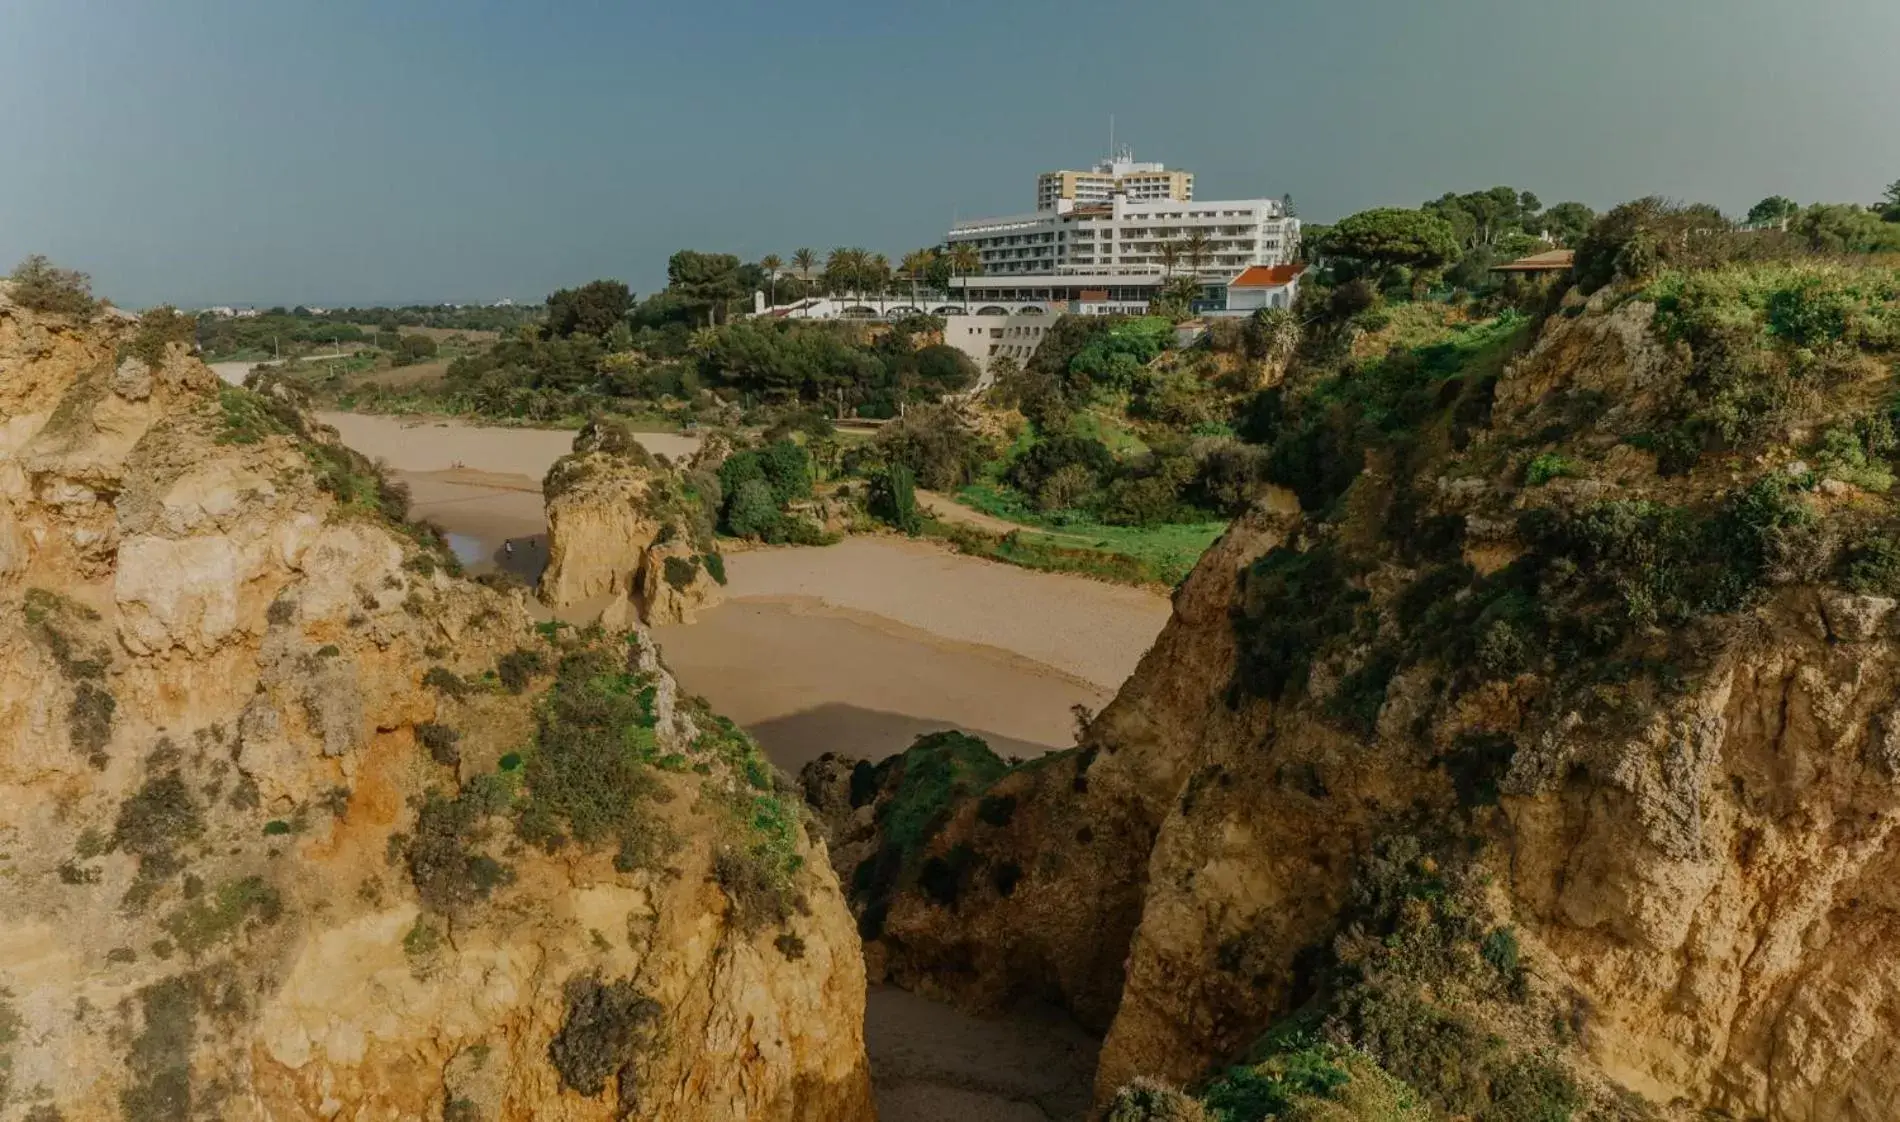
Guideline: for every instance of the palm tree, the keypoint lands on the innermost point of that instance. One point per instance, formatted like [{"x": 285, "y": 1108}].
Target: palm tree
[
  {"x": 879, "y": 270},
  {"x": 915, "y": 264},
  {"x": 964, "y": 260},
  {"x": 839, "y": 272},
  {"x": 1170, "y": 256},
  {"x": 1196, "y": 246},
  {"x": 771, "y": 264},
  {"x": 803, "y": 259}
]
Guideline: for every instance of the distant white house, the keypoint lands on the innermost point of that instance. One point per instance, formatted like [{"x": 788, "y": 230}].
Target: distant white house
[{"x": 1264, "y": 286}]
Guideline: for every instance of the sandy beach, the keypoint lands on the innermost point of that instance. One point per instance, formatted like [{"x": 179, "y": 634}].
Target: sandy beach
[
  {"x": 441, "y": 443},
  {"x": 858, "y": 647},
  {"x": 1088, "y": 629},
  {"x": 480, "y": 483}
]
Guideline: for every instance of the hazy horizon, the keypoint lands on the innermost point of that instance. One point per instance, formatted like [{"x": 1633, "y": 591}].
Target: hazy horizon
[{"x": 357, "y": 153}]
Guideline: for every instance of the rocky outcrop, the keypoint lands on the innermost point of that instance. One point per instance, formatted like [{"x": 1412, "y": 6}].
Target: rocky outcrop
[
  {"x": 629, "y": 532},
  {"x": 1547, "y": 789},
  {"x": 295, "y": 824}
]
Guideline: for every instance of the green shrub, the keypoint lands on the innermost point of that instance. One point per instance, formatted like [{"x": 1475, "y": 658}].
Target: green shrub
[
  {"x": 1548, "y": 466},
  {"x": 440, "y": 741},
  {"x": 518, "y": 667},
  {"x": 603, "y": 1029},
  {"x": 89, "y": 720},
  {"x": 680, "y": 572},
  {"x": 276, "y": 828},
  {"x": 1842, "y": 456},
  {"x": 42, "y": 287},
  {"x": 159, "y": 328},
  {"x": 201, "y": 924},
  {"x": 588, "y": 768},
  {"x": 716, "y": 565},
  {"x": 1292, "y": 604},
  {"x": 445, "y": 681},
  {"x": 1872, "y": 565},
  {"x": 752, "y": 512},
  {"x": 449, "y": 874},
  {"x": 161, "y": 815},
  {"x": 894, "y": 499},
  {"x": 935, "y": 445},
  {"x": 1276, "y": 1084}
]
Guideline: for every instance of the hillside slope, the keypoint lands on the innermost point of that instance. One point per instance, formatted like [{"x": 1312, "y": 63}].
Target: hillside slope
[
  {"x": 295, "y": 823},
  {"x": 1530, "y": 756}
]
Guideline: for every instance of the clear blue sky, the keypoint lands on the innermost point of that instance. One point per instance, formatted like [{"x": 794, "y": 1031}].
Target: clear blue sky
[{"x": 395, "y": 150}]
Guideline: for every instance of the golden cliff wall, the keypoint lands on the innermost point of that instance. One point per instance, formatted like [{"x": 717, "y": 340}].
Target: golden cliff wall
[
  {"x": 265, "y": 769},
  {"x": 1685, "y": 830}
]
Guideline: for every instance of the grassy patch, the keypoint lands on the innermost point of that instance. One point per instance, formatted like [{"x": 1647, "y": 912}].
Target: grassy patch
[
  {"x": 758, "y": 865},
  {"x": 245, "y": 417},
  {"x": 1548, "y": 466},
  {"x": 1163, "y": 553},
  {"x": 588, "y": 773},
  {"x": 201, "y": 924}
]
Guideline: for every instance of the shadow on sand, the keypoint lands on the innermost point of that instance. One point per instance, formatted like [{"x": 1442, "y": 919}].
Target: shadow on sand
[{"x": 796, "y": 739}]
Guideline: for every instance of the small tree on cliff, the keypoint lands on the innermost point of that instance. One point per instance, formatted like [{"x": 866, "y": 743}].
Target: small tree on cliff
[{"x": 40, "y": 285}]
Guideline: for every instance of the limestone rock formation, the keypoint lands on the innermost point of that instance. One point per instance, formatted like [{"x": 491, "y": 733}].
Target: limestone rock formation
[
  {"x": 630, "y": 532},
  {"x": 1537, "y": 750},
  {"x": 296, "y": 824}
]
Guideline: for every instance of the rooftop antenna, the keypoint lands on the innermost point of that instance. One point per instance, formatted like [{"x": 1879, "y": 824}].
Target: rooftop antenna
[{"x": 1111, "y": 136}]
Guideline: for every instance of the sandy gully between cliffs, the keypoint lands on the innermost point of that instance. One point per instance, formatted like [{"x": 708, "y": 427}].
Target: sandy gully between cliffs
[{"x": 858, "y": 647}]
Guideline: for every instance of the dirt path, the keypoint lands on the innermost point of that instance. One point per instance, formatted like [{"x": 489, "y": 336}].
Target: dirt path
[{"x": 947, "y": 509}]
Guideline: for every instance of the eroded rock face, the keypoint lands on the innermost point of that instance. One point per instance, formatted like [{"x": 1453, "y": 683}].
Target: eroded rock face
[
  {"x": 1687, "y": 839},
  {"x": 267, "y": 784},
  {"x": 628, "y": 532},
  {"x": 598, "y": 531}
]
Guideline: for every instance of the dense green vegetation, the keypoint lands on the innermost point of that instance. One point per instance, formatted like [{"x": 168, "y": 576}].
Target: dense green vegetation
[
  {"x": 1392, "y": 1024},
  {"x": 592, "y": 778},
  {"x": 1771, "y": 340},
  {"x": 925, "y": 783}
]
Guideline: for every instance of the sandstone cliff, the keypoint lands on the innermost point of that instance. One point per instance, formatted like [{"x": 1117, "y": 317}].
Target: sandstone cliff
[
  {"x": 1535, "y": 748},
  {"x": 297, "y": 824},
  {"x": 630, "y": 532}
]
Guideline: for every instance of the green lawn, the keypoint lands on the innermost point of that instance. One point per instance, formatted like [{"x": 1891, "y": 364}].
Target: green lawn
[{"x": 1162, "y": 553}]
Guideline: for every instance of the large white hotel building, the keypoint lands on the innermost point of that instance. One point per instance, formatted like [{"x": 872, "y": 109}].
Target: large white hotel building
[{"x": 1100, "y": 234}]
